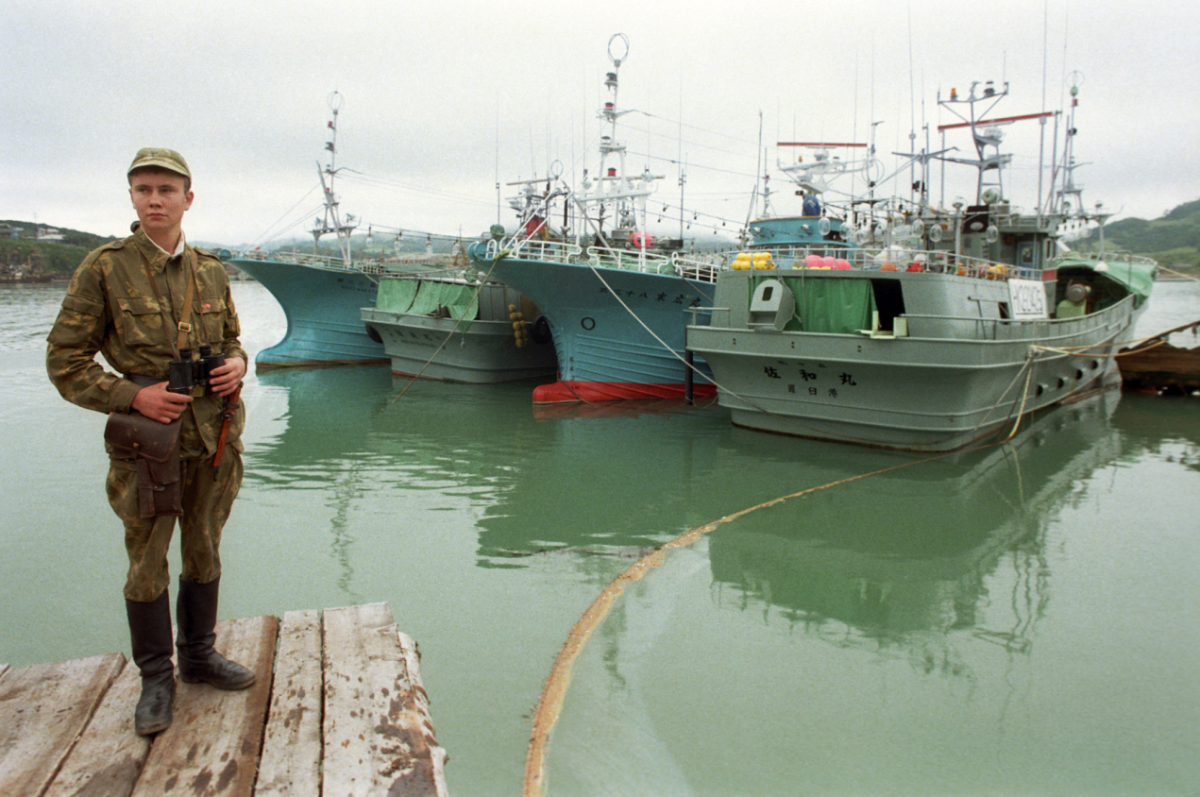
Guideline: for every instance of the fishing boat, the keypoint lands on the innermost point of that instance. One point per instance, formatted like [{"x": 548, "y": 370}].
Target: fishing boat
[
  {"x": 322, "y": 294},
  {"x": 617, "y": 300},
  {"x": 453, "y": 325},
  {"x": 929, "y": 336}
]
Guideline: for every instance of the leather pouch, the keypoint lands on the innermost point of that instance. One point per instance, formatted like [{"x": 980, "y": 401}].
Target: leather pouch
[{"x": 154, "y": 447}]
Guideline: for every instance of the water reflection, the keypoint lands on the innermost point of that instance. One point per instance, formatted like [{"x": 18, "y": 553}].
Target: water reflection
[
  {"x": 910, "y": 551},
  {"x": 890, "y": 555},
  {"x": 1160, "y": 426}
]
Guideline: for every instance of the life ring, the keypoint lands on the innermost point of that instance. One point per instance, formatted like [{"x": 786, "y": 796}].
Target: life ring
[{"x": 539, "y": 331}]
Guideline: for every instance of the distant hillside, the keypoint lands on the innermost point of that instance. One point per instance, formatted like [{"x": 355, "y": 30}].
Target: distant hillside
[
  {"x": 59, "y": 257},
  {"x": 1173, "y": 240}
]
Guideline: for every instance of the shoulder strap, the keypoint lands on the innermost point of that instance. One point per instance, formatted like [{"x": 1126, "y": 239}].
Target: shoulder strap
[{"x": 184, "y": 326}]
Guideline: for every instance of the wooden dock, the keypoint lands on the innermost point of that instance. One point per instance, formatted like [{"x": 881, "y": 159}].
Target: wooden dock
[{"x": 338, "y": 709}]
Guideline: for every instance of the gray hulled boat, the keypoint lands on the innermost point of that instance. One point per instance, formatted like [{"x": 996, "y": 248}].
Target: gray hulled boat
[
  {"x": 456, "y": 326},
  {"x": 948, "y": 330}
]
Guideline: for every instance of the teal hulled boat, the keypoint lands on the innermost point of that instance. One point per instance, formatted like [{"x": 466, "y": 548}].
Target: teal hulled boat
[
  {"x": 617, "y": 301},
  {"x": 321, "y": 298}
]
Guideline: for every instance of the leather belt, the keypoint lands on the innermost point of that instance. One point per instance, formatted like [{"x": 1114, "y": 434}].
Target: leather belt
[{"x": 144, "y": 381}]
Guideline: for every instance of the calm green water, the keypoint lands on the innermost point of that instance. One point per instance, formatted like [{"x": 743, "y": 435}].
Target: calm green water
[{"x": 1023, "y": 620}]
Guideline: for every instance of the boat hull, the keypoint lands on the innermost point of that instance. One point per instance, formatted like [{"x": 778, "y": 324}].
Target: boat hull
[
  {"x": 321, "y": 304},
  {"x": 908, "y": 392},
  {"x": 618, "y": 334},
  {"x": 440, "y": 349}
]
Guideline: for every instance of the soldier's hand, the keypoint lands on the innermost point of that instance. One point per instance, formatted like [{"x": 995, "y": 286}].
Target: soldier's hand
[
  {"x": 224, "y": 380},
  {"x": 158, "y": 405}
]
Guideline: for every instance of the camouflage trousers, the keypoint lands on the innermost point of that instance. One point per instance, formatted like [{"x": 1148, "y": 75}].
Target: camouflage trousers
[{"x": 206, "y": 506}]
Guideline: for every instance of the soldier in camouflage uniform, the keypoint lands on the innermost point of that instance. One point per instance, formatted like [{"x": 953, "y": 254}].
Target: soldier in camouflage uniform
[{"x": 125, "y": 302}]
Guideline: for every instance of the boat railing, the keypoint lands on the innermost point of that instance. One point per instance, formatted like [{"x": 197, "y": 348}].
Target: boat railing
[
  {"x": 299, "y": 258},
  {"x": 630, "y": 260},
  {"x": 893, "y": 258},
  {"x": 943, "y": 327},
  {"x": 1009, "y": 329},
  {"x": 534, "y": 249},
  {"x": 1110, "y": 258},
  {"x": 717, "y": 316},
  {"x": 702, "y": 268}
]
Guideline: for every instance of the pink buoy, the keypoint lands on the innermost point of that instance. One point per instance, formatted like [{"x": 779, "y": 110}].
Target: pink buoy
[
  {"x": 829, "y": 262},
  {"x": 641, "y": 240},
  {"x": 842, "y": 265},
  {"x": 812, "y": 261}
]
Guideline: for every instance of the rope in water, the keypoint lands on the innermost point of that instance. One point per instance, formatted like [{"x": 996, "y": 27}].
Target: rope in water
[{"x": 555, "y": 691}]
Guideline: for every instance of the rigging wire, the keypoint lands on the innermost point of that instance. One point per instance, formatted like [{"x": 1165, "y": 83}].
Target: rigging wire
[{"x": 263, "y": 236}]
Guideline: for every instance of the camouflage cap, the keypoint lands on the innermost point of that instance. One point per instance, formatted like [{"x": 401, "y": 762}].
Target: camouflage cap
[{"x": 160, "y": 158}]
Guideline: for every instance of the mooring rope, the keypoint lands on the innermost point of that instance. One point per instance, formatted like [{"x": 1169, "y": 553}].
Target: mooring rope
[
  {"x": 555, "y": 691},
  {"x": 1179, "y": 274}
]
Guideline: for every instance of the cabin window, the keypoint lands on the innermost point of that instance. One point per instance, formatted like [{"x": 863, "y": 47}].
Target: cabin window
[{"x": 1026, "y": 254}]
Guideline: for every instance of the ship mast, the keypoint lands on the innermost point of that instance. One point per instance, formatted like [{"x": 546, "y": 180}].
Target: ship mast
[
  {"x": 982, "y": 137},
  {"x": 332, "y": 222},
  {"x": 1070, "y": 190},
  {"x": 613, "y": 188}
]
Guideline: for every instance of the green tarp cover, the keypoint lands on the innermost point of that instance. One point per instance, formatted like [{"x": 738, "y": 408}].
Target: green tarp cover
[
  {"x": 422, "y": 297},
  {"x": 395, "y": 296},
  {"x": 461, "y": 300},
  {"x": 842, "y": 306}
]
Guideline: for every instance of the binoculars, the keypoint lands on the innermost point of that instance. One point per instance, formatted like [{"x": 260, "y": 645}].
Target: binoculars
[{"x": 187, "y": 372}]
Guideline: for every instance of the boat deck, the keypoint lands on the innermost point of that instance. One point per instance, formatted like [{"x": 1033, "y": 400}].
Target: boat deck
[{"x": 338, "y": 708}]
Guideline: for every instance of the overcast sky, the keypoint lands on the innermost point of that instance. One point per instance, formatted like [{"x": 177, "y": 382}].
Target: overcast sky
[{"x": 443, "y": 100}]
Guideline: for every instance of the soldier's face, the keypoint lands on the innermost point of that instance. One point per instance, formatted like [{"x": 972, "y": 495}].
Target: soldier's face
[{"x": 160, "y": 199}]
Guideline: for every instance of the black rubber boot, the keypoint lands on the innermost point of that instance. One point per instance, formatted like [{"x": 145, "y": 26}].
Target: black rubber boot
[
  {"x": 196, "y": 613},
  {"x": 150, "y": 632}
]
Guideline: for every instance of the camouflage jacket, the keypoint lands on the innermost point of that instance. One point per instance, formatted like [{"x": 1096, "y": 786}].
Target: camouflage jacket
[{"x": 111, "y": 308}]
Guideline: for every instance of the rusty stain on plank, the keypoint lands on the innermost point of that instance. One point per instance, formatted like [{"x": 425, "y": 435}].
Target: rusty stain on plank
[{"x": 337, "y": 707}]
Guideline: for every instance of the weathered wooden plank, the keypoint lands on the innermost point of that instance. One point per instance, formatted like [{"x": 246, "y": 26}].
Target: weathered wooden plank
[
  {"x": 378, "y": 737},
  {"x": 109, "y": 755},
  {"x": 43, "y": 708},
  {"x": 213, "y": 743},
  {"x": 291, "y": 757},
  {"x": 418, "y": 719}
]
